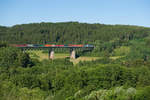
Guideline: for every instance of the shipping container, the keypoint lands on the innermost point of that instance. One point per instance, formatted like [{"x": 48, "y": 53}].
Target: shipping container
[
  {"x": 48, "y": 45},
  {"x": 29, "y": 45},
  {"x": 74, "y": 45},
  {"x": 21, "y": 45}
]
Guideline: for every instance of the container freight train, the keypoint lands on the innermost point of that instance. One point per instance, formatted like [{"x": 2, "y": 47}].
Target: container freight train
[{"x": 52, "y": 45}]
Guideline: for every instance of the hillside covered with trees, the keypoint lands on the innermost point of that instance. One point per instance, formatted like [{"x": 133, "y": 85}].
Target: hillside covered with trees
[
  {"x": 125, "y": 77},
  {"x": 70, "y": 32}
]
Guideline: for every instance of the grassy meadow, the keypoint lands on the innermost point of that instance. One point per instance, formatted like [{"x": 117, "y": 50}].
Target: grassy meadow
[{"x": 41, "y": 56}]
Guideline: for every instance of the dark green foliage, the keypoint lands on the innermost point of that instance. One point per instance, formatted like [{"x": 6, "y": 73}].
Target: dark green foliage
[
  {"x": 124, "y": 78},
  {"x": 3, "y": 44},
  {"x": 61, "y": 32},
  {"x": 10, "y": 57},
  {"x": 143, "y": 94},
  {"x": 65, "y": 80}
]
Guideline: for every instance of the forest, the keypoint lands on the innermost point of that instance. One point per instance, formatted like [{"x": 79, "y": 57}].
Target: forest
[{"x": 125, "y": 77}]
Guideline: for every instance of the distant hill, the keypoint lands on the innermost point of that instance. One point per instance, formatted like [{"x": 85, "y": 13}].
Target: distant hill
[{"x": 70, "y": 33}]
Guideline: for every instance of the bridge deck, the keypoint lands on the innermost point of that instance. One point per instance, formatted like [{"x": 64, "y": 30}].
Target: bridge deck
[{"x": 44, "y": 48}]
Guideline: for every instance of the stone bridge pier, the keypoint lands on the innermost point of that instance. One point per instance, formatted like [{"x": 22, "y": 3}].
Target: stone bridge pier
[
  {"x": 51, "y": 54},
  {"x": 72, "y": 54}
]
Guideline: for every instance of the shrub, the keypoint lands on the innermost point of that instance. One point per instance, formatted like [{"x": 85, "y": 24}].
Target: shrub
[{"x": 14, "y": 57}]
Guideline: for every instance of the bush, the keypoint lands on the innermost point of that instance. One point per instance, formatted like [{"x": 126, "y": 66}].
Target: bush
[
  {"x": 143, "y": 94},
  {"x": 14, "y": 57}
]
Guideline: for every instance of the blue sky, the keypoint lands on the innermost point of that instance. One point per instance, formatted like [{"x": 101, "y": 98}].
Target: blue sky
[{"x": 128, "y": 12}]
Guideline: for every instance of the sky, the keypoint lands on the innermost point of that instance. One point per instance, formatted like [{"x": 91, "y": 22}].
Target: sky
[{"x": 126, "y": 12}]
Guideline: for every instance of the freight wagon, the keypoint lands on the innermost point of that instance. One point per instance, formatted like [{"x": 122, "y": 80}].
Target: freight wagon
[{"x": 51, "y": 45}]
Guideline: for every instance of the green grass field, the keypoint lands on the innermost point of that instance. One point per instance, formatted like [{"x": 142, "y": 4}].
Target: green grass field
[
  {"x": 75, "y": 61},
  {"x": 41, "y": 56}
]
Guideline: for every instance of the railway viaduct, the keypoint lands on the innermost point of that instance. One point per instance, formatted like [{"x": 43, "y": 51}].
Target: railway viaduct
[{"x": 51, "y": 50}]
